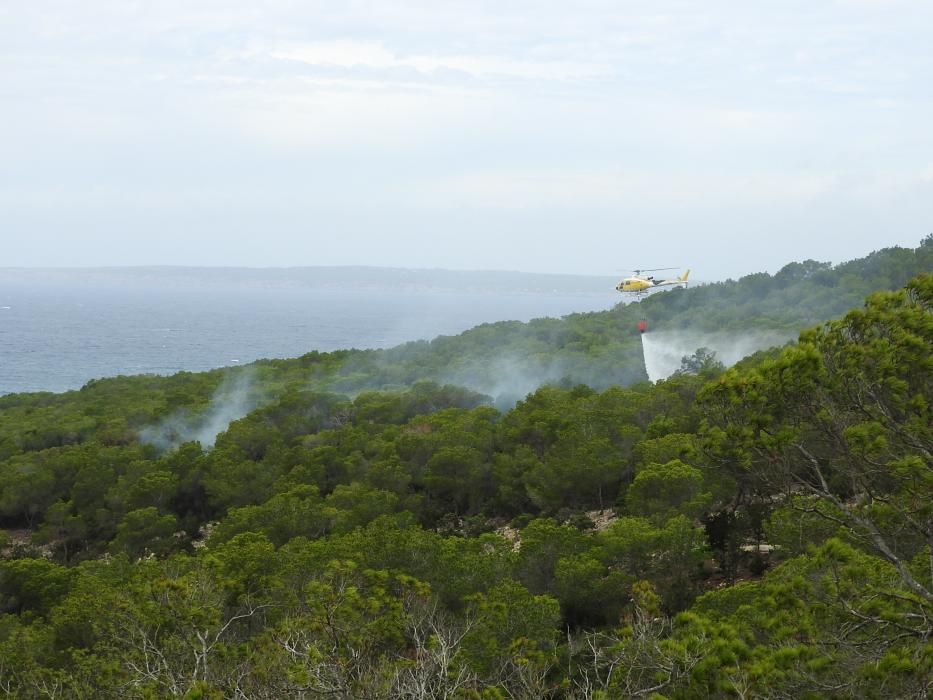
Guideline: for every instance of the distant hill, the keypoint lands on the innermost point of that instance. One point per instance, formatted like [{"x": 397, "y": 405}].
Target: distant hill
[{"x": 363, "y": 278}]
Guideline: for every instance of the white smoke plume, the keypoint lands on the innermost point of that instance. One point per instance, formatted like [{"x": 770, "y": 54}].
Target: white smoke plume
[
  {"x": 664, "y": 350},
  {"x": 234, "y": 398},
  {"x": 508, "y": 378}
]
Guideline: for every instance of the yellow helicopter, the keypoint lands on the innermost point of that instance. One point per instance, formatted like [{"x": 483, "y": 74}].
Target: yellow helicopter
[{"x": 641, "y": 283}]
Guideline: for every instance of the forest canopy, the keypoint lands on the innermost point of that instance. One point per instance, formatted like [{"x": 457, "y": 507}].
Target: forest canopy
[{"x": 408, "y": 524}]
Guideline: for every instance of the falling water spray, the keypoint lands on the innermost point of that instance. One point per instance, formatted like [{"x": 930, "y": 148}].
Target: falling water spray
[{"x": 664, "y": 351}]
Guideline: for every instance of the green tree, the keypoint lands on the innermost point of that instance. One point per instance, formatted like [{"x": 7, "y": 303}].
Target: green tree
[
  {"x": 844, "y": 417},
  {"x": 661, "y": 491},
  {"x": 145, "y": 531},
  {"x": 513, "y": 639},
  {"x": 32, "y": 584}
]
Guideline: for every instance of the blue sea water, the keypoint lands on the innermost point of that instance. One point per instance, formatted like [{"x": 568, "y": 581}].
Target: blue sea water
[{"x": 56, "y": 337}]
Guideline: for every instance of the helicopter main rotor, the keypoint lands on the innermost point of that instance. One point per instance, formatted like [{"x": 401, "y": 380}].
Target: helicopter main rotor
[{"x": 653, "y": 269}]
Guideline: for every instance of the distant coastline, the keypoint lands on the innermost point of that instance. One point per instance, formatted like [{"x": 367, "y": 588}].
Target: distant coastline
[{"x": 338, "y": 278}]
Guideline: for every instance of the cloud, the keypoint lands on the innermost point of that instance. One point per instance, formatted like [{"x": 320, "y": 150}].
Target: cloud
[
  {"x": 527, "y": 189},
  {"x": 338, "y": 115},
  {"x": 375, "y": 55},
  {"x": 396, "y": 123}
]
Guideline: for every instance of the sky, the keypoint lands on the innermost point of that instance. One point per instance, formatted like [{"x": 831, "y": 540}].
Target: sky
[{"x": 585, "y": 137}]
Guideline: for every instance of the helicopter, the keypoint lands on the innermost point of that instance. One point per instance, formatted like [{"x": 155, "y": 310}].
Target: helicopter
[{"x": 640, "y": 283}]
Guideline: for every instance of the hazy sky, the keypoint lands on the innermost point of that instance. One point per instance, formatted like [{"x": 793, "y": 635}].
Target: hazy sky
[{"x": 583, "y": 137}]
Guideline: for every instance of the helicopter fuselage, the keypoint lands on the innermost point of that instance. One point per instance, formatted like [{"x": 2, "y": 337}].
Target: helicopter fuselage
[{"x": 641, "y": 285}]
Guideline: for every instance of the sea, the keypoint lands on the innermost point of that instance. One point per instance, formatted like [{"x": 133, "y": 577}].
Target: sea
[{"x": 57, "y": 336}]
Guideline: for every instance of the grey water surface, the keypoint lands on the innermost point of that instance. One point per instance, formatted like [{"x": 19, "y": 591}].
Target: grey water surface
[{"x": 56, "y": 335}]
